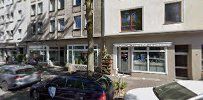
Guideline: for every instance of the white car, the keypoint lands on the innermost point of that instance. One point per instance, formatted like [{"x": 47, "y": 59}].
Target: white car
[{"x": 180, "y": 90}]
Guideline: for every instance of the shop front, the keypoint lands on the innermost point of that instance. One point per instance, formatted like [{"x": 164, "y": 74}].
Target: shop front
[
  {"x": 141, "y": 57},
  {"x": 77, "y": 55}
]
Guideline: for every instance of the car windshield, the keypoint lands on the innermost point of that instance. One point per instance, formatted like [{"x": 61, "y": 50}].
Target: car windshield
[
  {"x": 173, "y": 91},
  {"x": 26, "y": 71}
]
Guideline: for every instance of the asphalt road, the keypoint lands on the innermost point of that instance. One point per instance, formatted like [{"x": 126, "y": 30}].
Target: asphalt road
[{"x": 20, "y": 94}]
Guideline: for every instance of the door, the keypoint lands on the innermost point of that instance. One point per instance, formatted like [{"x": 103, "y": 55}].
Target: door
[
  {"x": 181, "y": 61},
  {"x": 124, "y": 61}
]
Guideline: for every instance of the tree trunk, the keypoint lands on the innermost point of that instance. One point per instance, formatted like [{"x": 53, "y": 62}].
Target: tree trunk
[{"x": 89, "y": 16}]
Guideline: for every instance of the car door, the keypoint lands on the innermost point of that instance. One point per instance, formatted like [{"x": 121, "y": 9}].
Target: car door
[
  {"x": 53, "y": 88},
  {"x": 67, "y": 92}
]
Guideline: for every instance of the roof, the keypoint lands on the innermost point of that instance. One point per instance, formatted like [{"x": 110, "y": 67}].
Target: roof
[
  {"x": 194, "y": 86},
  {"x": 16, "y": 67}
]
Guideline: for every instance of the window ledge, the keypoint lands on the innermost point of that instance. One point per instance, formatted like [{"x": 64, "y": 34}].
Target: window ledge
[
  {"x": 147, "y": 72},
  {"x": 131, "y": 31},
  {"x": 76, "y": 5},
  {"x": 172, "y": 23},
  {"x": 77, "y": 29}
]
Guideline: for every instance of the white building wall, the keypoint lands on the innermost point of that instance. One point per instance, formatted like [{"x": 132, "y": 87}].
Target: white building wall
[
  {"x": 18, "y": 11},
  {"x": 153, "y": 16}
]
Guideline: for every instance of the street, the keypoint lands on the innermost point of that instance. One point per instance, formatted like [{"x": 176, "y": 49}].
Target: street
[{"x": 21, "y": 94}]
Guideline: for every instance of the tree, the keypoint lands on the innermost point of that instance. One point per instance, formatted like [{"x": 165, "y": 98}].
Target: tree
[{"x": 89, "y": 16}]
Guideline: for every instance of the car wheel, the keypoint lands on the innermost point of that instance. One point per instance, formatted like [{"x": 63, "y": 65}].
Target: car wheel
[
  {"x": 4, "y": 86},
  {"x": 35, "y": 95}
]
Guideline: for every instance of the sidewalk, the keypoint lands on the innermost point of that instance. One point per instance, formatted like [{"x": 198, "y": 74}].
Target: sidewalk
[{"x": 134, "y": 82}]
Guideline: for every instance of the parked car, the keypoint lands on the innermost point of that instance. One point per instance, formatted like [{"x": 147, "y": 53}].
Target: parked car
[
  {"x": 180, "y": 90},
  {"x": 74, "y": 87},
  {"x": 15, "y": 76}
]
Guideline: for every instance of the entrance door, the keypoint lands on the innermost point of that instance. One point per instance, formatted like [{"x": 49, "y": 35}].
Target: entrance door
[
  {"x": 124, "y": 61},
  {"x": 181, "y": 61}
]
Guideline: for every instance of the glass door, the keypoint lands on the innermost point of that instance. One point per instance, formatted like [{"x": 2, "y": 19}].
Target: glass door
[
  {"x": 124, "y": 65},
  {"x": 181, "y": 61}
]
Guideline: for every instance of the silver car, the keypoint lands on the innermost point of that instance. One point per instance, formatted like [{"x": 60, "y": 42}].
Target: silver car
[{"x": 15, "y": 76}]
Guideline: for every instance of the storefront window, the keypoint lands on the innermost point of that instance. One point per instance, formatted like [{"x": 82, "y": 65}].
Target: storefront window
[
  {"x": 54, "y": 54},
  {"x": 78, "y": 55},
  {"x": 150, "y": 59},
  {"x": 38, "y": 53},
  {"x": 157, "y": 61}
]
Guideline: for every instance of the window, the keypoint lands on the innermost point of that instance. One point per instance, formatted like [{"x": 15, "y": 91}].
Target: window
[
  {"x": 131, "y": 20},
  {"x": 149, "y": 59},
  {"x": 173, "y": 12},
  {"x": 61, "y": 24},
  {"x": 52, "y": 25},
  {"x": 33, "y": 28},
  {"x": 60, "y": 4},
  {"x": 39, "y": 53},
  {"x": 33, "y": 10},
  {"x": 77, "y": 22},
  {"x": 19, "y": 31},
  {"x": 173, "y": 91},
  {"x": 40, "y": 8},
  {"x": 76, "y": 2},
  {"x": 54, "y": 54},
  {"x": 52, "y": 5},
  {"x": 78, "y": 54},
  {"x": 39, "y": 27}
]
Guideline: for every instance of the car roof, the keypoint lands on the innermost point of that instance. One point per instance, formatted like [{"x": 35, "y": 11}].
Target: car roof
[
  {"x": 15, "y": 67},
  {"x": 194, "y": 86}
]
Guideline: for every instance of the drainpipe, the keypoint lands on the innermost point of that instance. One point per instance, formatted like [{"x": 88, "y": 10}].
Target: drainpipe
[{"x": 82, "y": 19}]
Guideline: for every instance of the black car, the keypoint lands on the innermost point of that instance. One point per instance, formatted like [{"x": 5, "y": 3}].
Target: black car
[{"x": 74, "y": 87}]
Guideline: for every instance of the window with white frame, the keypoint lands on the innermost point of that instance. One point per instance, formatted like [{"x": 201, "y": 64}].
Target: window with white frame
[
  {"x": 149, "y": 59},
  {"x": 33, "y": 10},
  {"x": 39, "y": 53},
  {"x": 40, "y": 8},
  {"x": 60, "y": 4},
  {"x": 76, "y": 2},
  {"x": 52, "y": 5},
  {"x": 52, "y": 25},
  {"x": 77, "y": 54},
  {"x": 61, "y": 24},
  {"x": 77, "y": 22},
  {"x": 39, "y": 27},
  {"x": 173, "y": 12}
]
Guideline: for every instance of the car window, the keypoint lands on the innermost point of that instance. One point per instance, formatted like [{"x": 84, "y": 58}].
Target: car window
[
  {"x": 173, "y": 91},
  {"x": 70, "y": 83},
  {"x": 58, "y": 82},
  {"x": 26, "y": 71},
  {"x": 5, "y": 71}
]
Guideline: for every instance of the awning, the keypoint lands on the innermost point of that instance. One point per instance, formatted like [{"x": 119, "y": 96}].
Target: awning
[{"x": 157, "y": 44}]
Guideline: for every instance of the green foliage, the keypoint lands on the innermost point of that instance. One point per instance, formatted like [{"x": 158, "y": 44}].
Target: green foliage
[
  {"x": 20, "y": 58},
  {"x": 118, "y": 85}
]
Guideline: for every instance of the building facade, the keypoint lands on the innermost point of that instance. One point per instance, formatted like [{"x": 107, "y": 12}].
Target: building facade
[
  {"x": 13, "y": 27},
  {"x": 57, "y": 31},
  {"x": 159, "y": 39},
  {"x": 51, "y": 30}
]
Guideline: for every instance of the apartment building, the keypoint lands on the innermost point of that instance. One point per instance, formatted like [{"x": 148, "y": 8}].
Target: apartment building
[
  {"x": 13, "y": 27},
  {"x": 158, "y": 39},
  {"x": 57, "y": 31}
]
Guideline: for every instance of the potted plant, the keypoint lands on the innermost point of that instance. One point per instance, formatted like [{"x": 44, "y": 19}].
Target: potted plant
[{"x": 119, "y": 87}]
